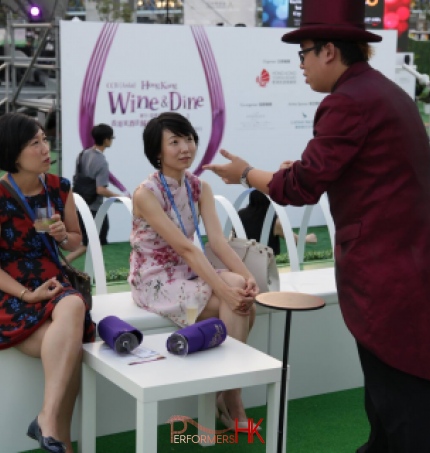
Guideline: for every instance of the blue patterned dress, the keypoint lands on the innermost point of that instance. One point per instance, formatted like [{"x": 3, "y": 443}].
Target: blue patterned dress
[{"x": 24, "y": 256}]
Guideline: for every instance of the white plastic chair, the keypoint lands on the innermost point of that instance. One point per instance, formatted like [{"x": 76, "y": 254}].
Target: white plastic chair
[
  {"x": 98, "y": 221},
  {"x": 285, "y": 224},
  {"x": 233, "y": 220},
  {"x": 94, "y": 262},
  {"x": 103, "y": 210}
]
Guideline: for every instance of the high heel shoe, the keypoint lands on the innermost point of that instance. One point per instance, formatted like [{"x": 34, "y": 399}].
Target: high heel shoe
[
  {"x": 224, "y": 417},
  {"x": 46, "y": 443}
]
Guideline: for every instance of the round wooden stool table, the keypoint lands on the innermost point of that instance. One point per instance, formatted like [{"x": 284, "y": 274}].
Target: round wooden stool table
[{"x": 289, "y": 302}]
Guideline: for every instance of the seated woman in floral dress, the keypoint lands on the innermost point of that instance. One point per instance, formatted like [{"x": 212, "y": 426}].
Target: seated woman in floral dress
[
  {"x": 41, "y": 315},
  {"x": 166, "y": 268}
]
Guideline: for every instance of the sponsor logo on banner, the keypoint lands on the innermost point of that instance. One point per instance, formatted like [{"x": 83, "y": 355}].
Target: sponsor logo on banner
[
  {"x": 303, "y": 118},
  {"x": 264, "y": 78},
  {"x": 284, "y": 77},
  {"x": 277, "y": 77}
]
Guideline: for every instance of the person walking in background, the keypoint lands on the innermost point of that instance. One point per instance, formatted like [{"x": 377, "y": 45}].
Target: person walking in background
[
  {"x": 370, "y": 153},
  {"x": 167, "y": 271},
  {"x": 93, "y": 164},
  {"x": 41, "y": 314},
  {"x": 253, "y": 216}
]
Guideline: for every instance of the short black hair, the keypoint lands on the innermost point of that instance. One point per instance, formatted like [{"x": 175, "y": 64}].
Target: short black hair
[
  {"x": 16, "y": 130},
  {"x": 153, "y": 133},
  {"x": 101, "y": 132},
  {"x": 351, "y": 51},
  {"x": 257, "y": 199}
]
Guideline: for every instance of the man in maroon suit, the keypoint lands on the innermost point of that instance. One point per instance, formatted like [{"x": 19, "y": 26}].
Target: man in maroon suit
[{"x": 371, "y": 154}]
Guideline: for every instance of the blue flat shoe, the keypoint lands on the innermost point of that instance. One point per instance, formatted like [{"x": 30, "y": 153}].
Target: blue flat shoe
[{"x": 46, "y": 443}]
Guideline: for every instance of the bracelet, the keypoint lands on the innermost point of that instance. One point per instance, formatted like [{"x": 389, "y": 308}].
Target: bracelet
[
  {"x": 25, "y": 290},
  {"x": 64, "y": 241}
]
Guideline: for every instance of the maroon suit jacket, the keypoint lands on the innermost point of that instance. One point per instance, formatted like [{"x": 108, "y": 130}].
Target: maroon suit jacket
[{"x": 371, "y": 153}]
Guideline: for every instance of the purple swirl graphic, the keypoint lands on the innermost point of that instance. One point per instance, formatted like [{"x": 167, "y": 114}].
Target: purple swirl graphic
[
  {"x": 113, "y": 180},
  {"x": 91, "y": 84},
  {"x": 216, "y": 95},
  {"x": 90, "y": 88}
]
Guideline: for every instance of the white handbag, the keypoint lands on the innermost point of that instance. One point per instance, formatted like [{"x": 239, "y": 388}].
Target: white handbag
[{"x": 258, "y": 258}]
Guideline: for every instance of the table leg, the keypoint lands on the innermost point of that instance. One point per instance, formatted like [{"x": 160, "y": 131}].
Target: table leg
[
  {"x": 87, "y": 441},
  {"x": 272, "y": 416},
  {"x": 285, "y": 431},
  {"x": 206, "y": 417},
  {"x": 282, "y": 402},
  {"x": 146, "y": 427}
]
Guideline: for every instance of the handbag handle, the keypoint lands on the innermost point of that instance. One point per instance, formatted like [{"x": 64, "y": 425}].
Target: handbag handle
[
  {"x": 79, "y": 163},
  {"x": 78, "y": 169}
]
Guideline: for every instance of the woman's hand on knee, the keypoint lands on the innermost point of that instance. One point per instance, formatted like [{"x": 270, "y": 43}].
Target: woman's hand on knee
[
  {"x": 251, "y": 287},
  {"x": 232, "y": 296},
  {"x": 237, "y": 300},
  {"x": 46, "y": 291},
  {"x": 245, "y": 306}
]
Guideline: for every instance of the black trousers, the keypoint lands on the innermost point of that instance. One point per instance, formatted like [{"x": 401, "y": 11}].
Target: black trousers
[
  {"x": 103, "y": 231},
  {"x": 397, "y": 406}
]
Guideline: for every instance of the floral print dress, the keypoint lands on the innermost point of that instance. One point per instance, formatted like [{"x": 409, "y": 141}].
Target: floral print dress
[
  {"x": 24, "y": 256},
  {"x": 161, "y": 282}
]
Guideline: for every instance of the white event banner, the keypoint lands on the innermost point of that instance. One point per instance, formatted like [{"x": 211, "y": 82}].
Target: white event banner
[
  {"x": 241, "y": 88},
  {"x": 227, "y": 12}
]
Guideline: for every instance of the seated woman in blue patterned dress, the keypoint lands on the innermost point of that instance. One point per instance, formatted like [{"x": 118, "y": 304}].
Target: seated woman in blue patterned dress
[
  {"x": 40, "y": 313},
  {"x": 166, "y": 269}
]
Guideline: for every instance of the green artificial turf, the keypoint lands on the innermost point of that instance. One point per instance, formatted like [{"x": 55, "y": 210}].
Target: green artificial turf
[{"x": 329, "y": 423}]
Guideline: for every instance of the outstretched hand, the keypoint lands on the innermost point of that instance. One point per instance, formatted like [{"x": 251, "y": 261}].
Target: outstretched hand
[{"x": 231, "y": 172}]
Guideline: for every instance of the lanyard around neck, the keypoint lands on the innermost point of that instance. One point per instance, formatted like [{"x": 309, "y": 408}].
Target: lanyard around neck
[
  {"x": 24, "y": 200},
  {"x": 32, "y": 216},
  {"x": 178, "y": 215}
]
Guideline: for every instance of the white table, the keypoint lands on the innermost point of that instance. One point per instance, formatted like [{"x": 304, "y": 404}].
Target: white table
[{"x": 231, "y": 365}]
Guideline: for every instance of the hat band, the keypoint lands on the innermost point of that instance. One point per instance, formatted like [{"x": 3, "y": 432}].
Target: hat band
[{"x": 319, "y": 24}]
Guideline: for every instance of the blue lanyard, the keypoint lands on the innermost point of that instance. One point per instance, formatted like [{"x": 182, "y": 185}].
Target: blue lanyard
[
  {"x": 191, "y": 202},
  {"x": 24, "y": 200},
  {"x": 32, "y": 216}
]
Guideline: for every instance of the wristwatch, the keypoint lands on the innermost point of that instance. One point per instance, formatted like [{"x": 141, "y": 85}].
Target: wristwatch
[
  {"x": 64, "y": 241},
  {"x": 243, "y": 178}
]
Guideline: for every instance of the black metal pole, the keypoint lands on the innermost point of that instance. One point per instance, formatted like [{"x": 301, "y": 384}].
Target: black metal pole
[
  {"x": 284, "y": 380},
  {"x": 167, "y": 12}
]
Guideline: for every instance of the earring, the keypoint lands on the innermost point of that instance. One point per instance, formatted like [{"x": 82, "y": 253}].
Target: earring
[{"x": 158, "y": 163}]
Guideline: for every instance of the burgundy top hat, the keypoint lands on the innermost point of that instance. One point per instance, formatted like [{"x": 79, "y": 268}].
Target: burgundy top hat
[{"x": 332, "y": 19}]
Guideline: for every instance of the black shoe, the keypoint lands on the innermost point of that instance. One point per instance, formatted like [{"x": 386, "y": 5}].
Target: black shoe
[{"x": 46, "y": 443}]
